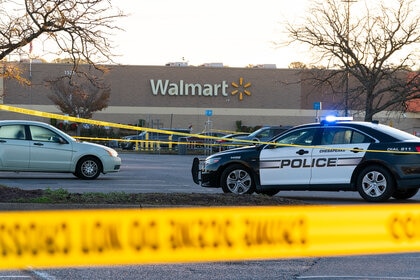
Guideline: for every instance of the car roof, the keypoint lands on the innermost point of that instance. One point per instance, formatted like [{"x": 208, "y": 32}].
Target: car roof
[
  {"x": 20, "y": 121},
  {"x": 270, "y": 127},
  {"x": 383, "y": 133},
  {"x": 237, "y": 133},
  {"x": 23, "y": 122},
  {"x": 176, "y": 129}
]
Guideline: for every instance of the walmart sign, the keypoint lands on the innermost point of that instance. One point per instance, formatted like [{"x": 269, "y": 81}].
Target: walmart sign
[{"x": 166, "y": 87}]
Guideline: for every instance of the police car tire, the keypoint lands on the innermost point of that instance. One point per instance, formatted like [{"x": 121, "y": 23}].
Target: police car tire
[
  {"x": 405, "y": 194},
  {"x": 269, "y": 192},
  {"x": 375, "y": 184},
  {"x": 237, "y": 179}
]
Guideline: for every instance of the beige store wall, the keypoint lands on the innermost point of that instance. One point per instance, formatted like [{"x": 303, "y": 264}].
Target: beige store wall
[
  {"x": 132, "y": 96},
  {"x": 276, "y": 97}
]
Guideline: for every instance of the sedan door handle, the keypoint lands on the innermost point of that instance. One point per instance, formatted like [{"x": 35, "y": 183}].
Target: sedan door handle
[
  {"x": 38, "y": 144},
  {"x": 3, "y": 141},
  {"x": 302, "y": 152}
]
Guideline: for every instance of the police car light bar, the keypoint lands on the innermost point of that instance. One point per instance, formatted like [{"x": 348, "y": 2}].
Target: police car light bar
[{"x": 336, "y": 119}]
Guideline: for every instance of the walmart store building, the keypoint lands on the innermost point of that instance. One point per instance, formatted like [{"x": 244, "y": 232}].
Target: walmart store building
[{"x": 204, "y": 97}]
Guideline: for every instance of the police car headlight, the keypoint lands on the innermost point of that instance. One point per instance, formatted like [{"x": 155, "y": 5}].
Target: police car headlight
[{"x": 212, "y": 160}]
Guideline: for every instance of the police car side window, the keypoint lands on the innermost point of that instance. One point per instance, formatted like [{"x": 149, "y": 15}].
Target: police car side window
[
  {"x": 339, "y": 136},
  {"x": 302, "y": 137},
  {"x": 360, "y": 138}
]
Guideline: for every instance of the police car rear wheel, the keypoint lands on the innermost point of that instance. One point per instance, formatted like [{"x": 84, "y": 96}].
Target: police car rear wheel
[
  {"x": 238, "y": 180},
  {"x": 405, "y": 194},
  {"x": 375, "y": 184}
]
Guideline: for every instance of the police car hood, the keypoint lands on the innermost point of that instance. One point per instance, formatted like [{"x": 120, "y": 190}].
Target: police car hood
[{"x": 241, "y": 150}]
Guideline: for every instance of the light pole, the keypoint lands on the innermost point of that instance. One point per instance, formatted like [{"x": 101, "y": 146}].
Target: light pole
[{"x": 346, "y": 81}]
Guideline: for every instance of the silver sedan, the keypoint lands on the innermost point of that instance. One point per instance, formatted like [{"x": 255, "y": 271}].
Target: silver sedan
[{"x": 40, "y": 147}]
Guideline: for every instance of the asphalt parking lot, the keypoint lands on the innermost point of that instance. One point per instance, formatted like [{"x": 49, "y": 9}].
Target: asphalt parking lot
[
  {"x": 171, "y": 173},
  {"x": 156, "y": 173}
]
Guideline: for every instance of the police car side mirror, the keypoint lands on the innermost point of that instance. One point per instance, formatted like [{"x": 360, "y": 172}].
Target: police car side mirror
[{"x": 270, "y": 146}]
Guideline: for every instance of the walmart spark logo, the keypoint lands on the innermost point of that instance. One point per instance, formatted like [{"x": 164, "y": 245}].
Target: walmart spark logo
[{"x": 241, "y": 88}]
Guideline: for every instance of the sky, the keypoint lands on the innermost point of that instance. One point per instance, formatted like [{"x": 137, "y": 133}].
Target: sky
[
  {"x": 236, "y": 33},
  {"x": 233, "y": 32}
]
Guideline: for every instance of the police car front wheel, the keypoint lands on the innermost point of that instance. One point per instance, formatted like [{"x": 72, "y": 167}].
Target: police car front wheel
[
  {"x": 237, "y": 179},
  {"x": 375, "y": 184},
  {"x": 405, "y": 194}
]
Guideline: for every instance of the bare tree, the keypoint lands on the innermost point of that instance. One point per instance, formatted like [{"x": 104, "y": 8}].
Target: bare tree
[
  {"x": 79, "y": 96},
  {"x": 297, "y": 65},
  {"x": 373, "y": 51},
  {"x": 78, "y": 29}
]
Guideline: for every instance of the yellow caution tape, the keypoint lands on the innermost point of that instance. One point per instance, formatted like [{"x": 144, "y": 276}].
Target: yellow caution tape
[
  {"x": 126, "y": 236},
  {"x": 82, "y": 120},
  {"x": 103, "y": 123},
  {"x": 110, "y": 124}
]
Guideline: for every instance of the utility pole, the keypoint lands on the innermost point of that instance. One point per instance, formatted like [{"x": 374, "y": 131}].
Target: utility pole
[{"x": 346, "y": 81}]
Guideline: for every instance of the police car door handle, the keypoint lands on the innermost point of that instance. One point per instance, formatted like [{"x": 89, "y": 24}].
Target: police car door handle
[
  {"x": 302, "y": 152},
  {"x": 356, "y": 150}
]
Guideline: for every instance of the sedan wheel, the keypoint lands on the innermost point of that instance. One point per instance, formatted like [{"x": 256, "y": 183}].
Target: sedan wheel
[
  {"x": 238, "y": 180},
  {"x": 88, "y": 168},
  {"x": 375, "y": 184}
]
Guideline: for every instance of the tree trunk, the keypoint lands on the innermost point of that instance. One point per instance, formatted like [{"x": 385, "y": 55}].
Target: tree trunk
[{"x": 369, "y": 111}]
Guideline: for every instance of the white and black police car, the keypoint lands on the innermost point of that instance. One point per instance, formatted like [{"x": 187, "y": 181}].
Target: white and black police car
[{"x": 376, "y": 160}]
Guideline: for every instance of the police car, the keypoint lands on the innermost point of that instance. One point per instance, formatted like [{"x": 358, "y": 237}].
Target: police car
[{"x": 375, "y": 160}]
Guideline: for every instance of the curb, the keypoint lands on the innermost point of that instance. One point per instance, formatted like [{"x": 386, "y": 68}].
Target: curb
[{"x": 5, "y": 206}]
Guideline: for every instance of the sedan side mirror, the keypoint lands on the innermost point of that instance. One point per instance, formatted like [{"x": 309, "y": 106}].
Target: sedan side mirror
[{"x": 58, "y": 139}]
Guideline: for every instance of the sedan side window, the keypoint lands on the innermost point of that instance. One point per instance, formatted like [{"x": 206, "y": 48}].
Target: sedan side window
[
  {"x": 43, "y": 134},
  {"x": 13, "y": 132},
  {"x": 264, "y": 134}
]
